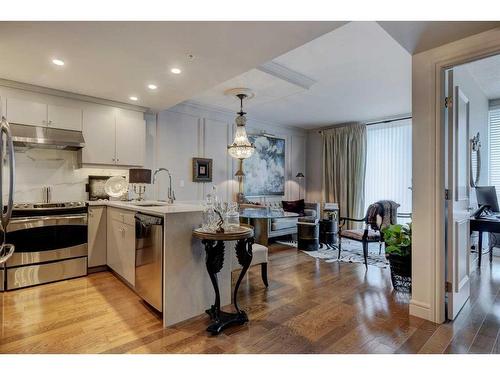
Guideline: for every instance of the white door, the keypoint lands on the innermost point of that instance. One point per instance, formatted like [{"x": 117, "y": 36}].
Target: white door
[
  {"x": 99, "y": 135},
  {"x": 26, "y": 112},
  {"x": 130, "y": 138},
  {"x": 61, "y": 117},
  {"x": 458, "y": 214}
]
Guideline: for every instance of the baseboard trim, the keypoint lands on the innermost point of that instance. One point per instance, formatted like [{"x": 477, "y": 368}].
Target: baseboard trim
[
  {"x": 421, "y": 310},
  {"x": 97, "y": 269}
]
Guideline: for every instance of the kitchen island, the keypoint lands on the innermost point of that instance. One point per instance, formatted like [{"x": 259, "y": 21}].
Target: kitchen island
[{"x": 187, "y": 290}]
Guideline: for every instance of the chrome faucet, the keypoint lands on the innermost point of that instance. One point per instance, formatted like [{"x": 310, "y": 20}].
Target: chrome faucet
[{"x": 171, "y": 193}]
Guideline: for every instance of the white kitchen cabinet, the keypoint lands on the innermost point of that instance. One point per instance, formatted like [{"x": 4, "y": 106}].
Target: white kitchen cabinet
[
  {"x": 62, "y": 117},
  {"x": 99, "y": 135},
  {"x": 97, "y": 236},
  {"x": 26, "y": 112},
  {"x": 120, "y": 246},
  {"x": 114, "y": 137},
  {"x": 130, "y": 138}
]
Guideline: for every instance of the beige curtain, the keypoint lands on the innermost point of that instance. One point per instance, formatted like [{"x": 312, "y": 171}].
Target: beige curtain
[{"x": 344, "y": 166}]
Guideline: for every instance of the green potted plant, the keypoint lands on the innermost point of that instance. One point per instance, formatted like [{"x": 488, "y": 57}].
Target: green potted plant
[{"x": 397, "y": 238}]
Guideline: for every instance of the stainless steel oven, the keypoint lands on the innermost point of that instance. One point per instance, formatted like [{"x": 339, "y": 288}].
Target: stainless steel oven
[{"x": 50, "y": 242}]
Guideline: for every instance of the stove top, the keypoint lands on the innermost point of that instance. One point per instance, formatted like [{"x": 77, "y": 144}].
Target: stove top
[{"x": 47, "y": 206}]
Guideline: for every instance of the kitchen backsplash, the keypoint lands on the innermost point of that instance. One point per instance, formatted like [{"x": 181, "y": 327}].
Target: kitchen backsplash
[{"x": 58, "y": 169}]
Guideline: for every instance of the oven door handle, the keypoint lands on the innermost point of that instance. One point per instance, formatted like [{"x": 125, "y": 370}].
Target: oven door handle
[
  {"x": 23, "y": 223},
  {"x": 37, "y": 218}
]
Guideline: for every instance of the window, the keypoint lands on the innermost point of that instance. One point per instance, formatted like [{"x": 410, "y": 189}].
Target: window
[
  {"x": 494, "y": 146},
  {"x": 388, "y": 163}
]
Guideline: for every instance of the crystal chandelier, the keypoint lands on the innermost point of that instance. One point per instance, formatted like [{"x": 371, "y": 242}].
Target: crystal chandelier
[{"x": 241, "y": 148}]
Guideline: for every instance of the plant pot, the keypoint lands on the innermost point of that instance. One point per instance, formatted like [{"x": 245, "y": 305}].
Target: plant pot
[{"x": 400, "y": 272}]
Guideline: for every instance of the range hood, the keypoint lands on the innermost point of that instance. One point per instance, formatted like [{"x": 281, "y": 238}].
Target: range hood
[{"x": 43, "y": 137}]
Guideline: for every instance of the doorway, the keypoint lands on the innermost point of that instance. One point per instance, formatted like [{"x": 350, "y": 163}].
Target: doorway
[{"x": 471, "y": 115}]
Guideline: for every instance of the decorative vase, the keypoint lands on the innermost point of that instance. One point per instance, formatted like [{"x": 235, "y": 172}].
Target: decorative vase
[{"x": 400, "y": 272}]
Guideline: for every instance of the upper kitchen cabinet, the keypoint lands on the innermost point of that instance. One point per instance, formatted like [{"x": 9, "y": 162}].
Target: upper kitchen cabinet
[
  {"x": 99, "y": 135},
  {"x": 130, "y": 138},
  {"x": 26, "y": 112},
  {"x": 37, "y": 113},
  {"x": 114, "y": 137},
  {"x": 61, "y": 117}
]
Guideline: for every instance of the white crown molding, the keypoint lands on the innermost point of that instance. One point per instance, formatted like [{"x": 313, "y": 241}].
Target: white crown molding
[
  {"x": 70, "y": 95},
  {"x": 368, "y": 123},
  {"x": 286, "y": 74},
  {"x": 197, "y": 106}
]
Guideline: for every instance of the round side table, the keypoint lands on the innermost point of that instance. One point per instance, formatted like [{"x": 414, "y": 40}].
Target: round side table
[{"x": 214, "y": 247}]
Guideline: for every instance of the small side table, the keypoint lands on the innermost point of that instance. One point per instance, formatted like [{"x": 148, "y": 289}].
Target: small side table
[
  {"x": 214, "y": 247},
  {"x": 328, "y": 233}
]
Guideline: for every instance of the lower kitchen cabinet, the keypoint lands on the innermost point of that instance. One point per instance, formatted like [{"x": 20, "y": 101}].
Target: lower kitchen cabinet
[
  {"x": 97, "y": 229},
  {"x": 121, "y": 244}
]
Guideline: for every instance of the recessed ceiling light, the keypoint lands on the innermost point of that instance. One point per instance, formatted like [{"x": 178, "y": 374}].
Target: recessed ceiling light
[
  {"x": 176, "y": 70},
  {"x": 58, "y": 62},
  {"x": 152, "y": 87},
  {"x": 134, "y": 98}
]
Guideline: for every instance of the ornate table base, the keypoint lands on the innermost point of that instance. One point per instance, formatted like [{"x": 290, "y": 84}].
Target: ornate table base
[{"x": 214, "y": 262}]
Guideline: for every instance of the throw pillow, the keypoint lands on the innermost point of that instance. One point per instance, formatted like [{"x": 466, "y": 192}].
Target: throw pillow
[{"x": 294, "y": 206}]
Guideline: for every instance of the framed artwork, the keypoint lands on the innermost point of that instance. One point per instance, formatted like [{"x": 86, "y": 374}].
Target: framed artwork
[
  {"x": 265, "y": 169},
  {"x": 202, "y": 170}
]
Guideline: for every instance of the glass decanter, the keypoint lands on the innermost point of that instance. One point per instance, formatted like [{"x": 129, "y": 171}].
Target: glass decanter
[{"x": 232, "y": 217}]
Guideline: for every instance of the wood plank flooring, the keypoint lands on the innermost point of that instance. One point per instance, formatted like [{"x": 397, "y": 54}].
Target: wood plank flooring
[{"x": 310, "y": 307}]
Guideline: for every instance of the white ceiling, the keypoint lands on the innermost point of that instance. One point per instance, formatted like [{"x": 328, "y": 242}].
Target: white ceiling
[
  {"x": 486, "y": 73},
  {"x": 361, "y": 74},
  {"x": 114, "y": 60},
  {"x": 418, "y": 36}
]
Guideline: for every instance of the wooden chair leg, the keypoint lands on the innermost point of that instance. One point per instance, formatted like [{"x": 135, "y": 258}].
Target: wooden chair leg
[
  {"x": 365, "y": 253},
  {"x": 340, "y": 246},
  {"x": 263, "y": 271}
]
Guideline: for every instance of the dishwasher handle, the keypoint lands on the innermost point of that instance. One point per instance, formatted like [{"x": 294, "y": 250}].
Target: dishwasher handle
[{"x": 147, "y": 220}]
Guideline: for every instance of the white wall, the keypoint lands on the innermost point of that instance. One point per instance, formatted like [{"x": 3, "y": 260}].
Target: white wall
[{"x": 188, "y": 130}]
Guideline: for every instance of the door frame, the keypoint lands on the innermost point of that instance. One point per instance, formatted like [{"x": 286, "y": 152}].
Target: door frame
[{"x": 428, "y": 90}]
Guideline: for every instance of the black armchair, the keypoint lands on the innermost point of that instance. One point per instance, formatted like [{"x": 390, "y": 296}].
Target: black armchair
[{"x": 377, "y": 216}]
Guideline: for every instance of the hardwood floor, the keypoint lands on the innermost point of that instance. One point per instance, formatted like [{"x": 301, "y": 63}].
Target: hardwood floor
[{"x": 310, "y": 307}]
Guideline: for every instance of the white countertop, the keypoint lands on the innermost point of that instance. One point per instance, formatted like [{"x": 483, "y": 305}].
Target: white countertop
[{"x": 177, "y": 207}]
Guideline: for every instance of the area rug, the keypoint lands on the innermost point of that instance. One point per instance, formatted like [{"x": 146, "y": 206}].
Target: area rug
[{"x": 352, "y": 252}]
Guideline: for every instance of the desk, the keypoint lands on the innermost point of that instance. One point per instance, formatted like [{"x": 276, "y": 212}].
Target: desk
[{"x": 488, "y": 224}]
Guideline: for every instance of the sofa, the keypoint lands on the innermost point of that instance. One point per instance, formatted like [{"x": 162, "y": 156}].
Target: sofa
[{"x": 282, "y": 226}]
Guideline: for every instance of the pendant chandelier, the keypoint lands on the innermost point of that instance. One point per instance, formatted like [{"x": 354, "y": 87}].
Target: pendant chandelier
[{"x": 241, "y": 148}]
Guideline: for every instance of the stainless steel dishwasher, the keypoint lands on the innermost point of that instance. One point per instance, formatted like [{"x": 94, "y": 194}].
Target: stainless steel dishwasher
[{"x": 149, "y": 259}]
